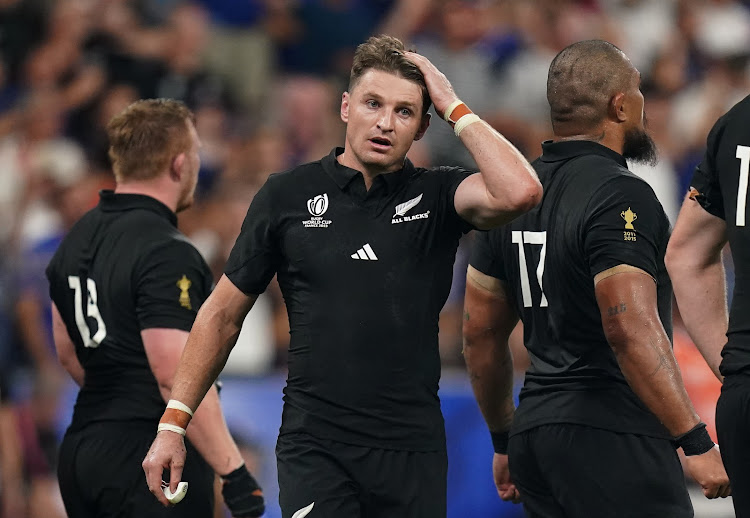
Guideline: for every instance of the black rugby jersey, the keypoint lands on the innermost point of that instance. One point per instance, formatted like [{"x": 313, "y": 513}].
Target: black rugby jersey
[
  {"x": 124, "y": 267},
  {"x": 594, "y": 215},
  {"x": 364, "y": 276},
  {"x": 722, "y": 181}
]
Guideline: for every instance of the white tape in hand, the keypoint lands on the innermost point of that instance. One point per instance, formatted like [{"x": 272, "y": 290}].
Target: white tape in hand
[{"x": 178, "y": 495}]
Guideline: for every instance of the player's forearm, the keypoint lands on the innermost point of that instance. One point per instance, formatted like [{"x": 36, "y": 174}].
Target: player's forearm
[
  {"x": 701, "y": 295},
  {"x": 209, "y": 434},
  {"x": 645, "y": 357},
  {"x": 211, "y": 339},
  {"x": 490, "y": 368},
  {"x": 511, "y": 183},
  {"x": 488, "y": 322}
]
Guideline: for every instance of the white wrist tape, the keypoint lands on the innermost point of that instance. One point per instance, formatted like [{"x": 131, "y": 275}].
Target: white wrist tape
[
  {"x": 450, "y": 108},
  {"x": 170, "y": 428},
  {"x": 179, "y": 405},
  {"x": 465, "y": 121}
]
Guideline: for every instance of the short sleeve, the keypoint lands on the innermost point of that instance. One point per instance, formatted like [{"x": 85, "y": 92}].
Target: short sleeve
[
  {"x": 625, "y": 224},
  {"x": 452, "y": 178},
  {"x": 485, "y": 255},
  {"x": 254, "y": 259},
  {"x": 173, "y": 282},
  {"x": 706, "y": 179}
]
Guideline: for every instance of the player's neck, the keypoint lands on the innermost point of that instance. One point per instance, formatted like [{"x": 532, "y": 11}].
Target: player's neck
[
  {"x": 159, "y": 188},
  {"x": 611, "y": 139}
]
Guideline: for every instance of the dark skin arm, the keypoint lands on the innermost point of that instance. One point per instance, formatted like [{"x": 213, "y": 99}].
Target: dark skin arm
[
  {"x": 489, "y": 319},
  {"x": 627, "y": 301}
]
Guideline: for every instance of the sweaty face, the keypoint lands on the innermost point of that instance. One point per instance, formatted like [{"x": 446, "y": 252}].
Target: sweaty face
[
  {"x": 383, "y": 113},
  {"x": 191, "y": 166}
]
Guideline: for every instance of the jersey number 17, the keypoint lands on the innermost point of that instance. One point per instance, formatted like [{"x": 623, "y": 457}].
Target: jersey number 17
[{"x": 532, "y": 238}]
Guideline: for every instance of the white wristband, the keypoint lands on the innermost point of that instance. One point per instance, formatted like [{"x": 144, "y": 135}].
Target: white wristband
[
  {"x": 449, "y": 110},
  {"x": 170, "y": 428},
  {"x": 464, "y": 121},
  {"x": 179, "y": 405}
]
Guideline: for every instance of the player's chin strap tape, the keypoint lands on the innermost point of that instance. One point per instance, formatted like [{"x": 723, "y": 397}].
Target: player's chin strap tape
[
  {"x": 500, "y": 442},
  {"x": 696, "y": 441},
  {"x": 242, "y": 494}
]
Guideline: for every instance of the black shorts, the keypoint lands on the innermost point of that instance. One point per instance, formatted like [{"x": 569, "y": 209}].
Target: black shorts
[
  {"x": 101, "y": 476},
  {"x": 320, "y": 479},
  {"x": 574, "y": 471},
  {"x": 733, "y": 428}
]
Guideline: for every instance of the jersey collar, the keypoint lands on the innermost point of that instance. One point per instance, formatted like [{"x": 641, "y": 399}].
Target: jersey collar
[
  {"x": 343, "y": 175},
  {"x": 564, "y": 150},
  {"x": 109, "y": 201}
]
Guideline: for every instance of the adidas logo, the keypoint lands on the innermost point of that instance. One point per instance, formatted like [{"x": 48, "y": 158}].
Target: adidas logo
[{"x": 365, "y": 253}]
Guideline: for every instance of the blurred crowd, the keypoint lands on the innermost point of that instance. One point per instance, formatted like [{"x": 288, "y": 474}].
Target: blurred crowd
[{"x": 264, "y": 78}]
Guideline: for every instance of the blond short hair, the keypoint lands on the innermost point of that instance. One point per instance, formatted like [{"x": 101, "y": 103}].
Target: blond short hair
[{"x": 146, "y": 136}]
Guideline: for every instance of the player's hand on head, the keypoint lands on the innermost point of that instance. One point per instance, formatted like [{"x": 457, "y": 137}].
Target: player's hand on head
[
  {"x": 440, "y": 89},
  {"x": 167, "y": 452},
  {"x": 242, "y": 494},
  {"x": 505, "y": 486},
  {"x": 708, "y": 470}
]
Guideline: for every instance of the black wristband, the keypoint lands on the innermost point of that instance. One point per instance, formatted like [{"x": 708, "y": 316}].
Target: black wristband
[
  {"x": 696, "y": 441},
  {"x": 242, "y": 494},
  {"x": 500, "y": 442}
]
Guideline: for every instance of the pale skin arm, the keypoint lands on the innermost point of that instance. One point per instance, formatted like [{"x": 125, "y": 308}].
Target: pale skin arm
[
  {"x": 628, "y": 305},
  {"x": 211, "y": 339},
  {"x": 66, "y": 349},
  {"x": 207, "y": 431},
  {"x": 507, "y": 185},
  {"x": 694, "y": 263},
  {"x": 489, "y": 319}
]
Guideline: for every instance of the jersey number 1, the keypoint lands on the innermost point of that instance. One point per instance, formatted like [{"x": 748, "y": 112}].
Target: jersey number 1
[
  {"x": 92, "y": 310},
  {"x": 532, "y": 238},
  {"x": 743, "y": 153}
]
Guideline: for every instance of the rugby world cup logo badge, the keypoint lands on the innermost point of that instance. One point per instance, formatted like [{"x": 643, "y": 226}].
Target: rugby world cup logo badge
[{"x": 318, "y": 205}]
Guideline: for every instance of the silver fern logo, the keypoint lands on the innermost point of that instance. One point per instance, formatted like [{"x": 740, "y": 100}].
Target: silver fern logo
[
  {"x": 318, "y": 205},
  {"x": 405, "y": 207}
]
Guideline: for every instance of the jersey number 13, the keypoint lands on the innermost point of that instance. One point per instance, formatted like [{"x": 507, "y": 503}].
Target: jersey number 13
[{"x": 92, "y": 310}]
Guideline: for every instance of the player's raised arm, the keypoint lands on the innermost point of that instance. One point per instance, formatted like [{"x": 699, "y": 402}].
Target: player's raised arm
[{"x": 507, "y": 185}]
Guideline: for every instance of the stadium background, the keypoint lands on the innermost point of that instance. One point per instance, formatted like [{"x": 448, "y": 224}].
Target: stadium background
[{"x": 265, "y": 78}]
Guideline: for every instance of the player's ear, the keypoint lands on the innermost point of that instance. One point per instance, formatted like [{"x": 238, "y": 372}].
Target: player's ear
[
  {"x": 345, "y": 107},
  {"x": 617, "y": 107},
  {"x": 423, "y": 125},
  {"x": 177, "y": 167}
]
